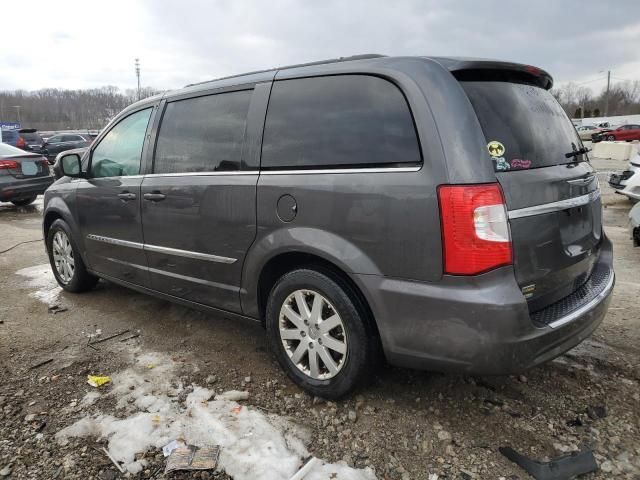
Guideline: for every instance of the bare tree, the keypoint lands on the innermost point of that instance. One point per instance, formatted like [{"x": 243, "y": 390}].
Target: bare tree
[{"x": 56, "y": 109}]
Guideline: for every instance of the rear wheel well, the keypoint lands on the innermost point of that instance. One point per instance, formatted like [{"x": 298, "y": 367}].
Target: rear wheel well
[{"x": 287, "y": 262}]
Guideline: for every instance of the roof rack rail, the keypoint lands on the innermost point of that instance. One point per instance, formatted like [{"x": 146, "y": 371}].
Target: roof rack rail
[{"x": 364, "y": 56}]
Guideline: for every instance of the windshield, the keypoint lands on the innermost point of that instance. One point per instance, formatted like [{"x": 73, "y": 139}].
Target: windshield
[{"x": 525, "y": 127}]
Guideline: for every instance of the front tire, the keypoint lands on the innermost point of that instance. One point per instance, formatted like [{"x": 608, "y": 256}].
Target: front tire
[
  {"x": 611, "y": 138},
  {"x": 66, "y": 262},
  {"x": 320, "y": 333},
  {"x": 23, "y": 202}
]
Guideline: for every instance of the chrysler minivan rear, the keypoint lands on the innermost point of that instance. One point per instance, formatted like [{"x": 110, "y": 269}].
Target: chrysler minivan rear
[{"x": 527, "y": 268}]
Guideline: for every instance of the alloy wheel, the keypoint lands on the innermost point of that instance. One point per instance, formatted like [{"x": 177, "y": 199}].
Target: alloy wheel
[
  {"x": 313, "y": 334},
  {"x": 63, "y": 256}
]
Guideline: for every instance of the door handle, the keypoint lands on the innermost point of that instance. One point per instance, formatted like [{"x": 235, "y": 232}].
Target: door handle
[
  {"x": 126, "y": 196},
  {"x": 154, "y": 197}
]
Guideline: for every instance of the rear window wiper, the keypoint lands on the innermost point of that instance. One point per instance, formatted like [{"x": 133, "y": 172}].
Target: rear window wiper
[{"x": 578, "y": 151}]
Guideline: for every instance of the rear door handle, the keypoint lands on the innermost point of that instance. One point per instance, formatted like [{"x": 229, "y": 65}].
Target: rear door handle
[
  {"x": 154, "y": 197},
  {"x": 126, "y": 196}
]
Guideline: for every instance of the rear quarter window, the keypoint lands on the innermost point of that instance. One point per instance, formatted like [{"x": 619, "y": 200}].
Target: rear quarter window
[{"x": 338, "y": 121}]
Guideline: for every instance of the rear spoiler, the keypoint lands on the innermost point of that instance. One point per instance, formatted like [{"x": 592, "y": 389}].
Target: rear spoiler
[
  {"x": 27, "y": 130},
  {"x": 488, "y": 70}
]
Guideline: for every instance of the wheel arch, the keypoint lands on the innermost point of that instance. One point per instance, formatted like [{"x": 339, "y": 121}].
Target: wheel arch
[
  {"x": 57, "y": 209},
  {"x": 285, "y": 262}
]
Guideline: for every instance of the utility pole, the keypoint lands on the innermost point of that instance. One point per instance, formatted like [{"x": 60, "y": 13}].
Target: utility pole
[
  {"x": 606, "y": 98},
  {"x": 17, "y": 107},
  {"x": 138, "y": 75}
]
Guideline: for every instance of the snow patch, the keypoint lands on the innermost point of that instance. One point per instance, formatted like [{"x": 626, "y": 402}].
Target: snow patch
[
  {"x": 41, "y": 278},
  {"x": 157, "y": 409},
  {"x": 89, "y": 399}
]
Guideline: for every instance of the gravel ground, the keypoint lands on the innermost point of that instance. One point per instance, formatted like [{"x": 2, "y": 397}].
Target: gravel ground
[{"x": 404, "y": 424}]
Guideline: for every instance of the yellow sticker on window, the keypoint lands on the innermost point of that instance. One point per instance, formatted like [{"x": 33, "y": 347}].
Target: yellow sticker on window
[{"x": 496, "y": 149}]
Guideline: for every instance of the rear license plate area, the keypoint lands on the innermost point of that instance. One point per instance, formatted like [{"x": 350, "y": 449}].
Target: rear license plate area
[{"x": 29, "y": 168}]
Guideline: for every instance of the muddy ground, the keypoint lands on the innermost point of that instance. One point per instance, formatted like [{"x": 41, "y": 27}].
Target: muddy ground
[{"x": 404, "y": 424}]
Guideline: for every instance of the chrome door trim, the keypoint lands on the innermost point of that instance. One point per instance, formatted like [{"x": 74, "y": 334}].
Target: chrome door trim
[
  {"x": 157, "y": 249},
  {"x": 202, "y": 174},
  {"x": 189, "y": 254},
  {"x": 115, "y": 241},
  {"x": 587, "y": 306},
  {"x": 555, "y": 206},
  {"x": 341, "y": 170}
]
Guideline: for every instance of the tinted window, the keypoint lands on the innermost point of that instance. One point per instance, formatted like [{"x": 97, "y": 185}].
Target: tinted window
[
  {"x": 346, "y": 120},
  {"x": 55, "y": 139},
  {"x": 203, "y": 134},
  {"x": 526, "y": 125},
  {"x": 118, "y": 153},
  {"x": 72, "y": 138},
  {"x": 31, "y": 137}
]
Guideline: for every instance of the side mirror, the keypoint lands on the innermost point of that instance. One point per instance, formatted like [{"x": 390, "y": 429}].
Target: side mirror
[{"x": 68, "y": 165}]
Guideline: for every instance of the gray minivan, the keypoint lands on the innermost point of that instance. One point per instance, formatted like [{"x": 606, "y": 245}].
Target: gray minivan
[{"x": 438, "y": 212}]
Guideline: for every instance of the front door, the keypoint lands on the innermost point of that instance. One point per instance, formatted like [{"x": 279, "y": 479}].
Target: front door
[
  {"x": 199, "y": 204},
  {"x": 108, "y": 202}
]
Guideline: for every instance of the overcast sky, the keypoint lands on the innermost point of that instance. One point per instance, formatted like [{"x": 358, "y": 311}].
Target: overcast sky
[{"x": 79, "y": 44}]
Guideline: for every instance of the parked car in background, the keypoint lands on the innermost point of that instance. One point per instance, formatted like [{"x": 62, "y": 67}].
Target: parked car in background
[
  {"x": 624, "y": 132},
  {"x": 586, "y": 131},
  {"x": 352, "y": 216},
  {"x": 627, "y": 182},
  {"x": 23, "y": 175},
  {"x": 634, "y": 224},
  {"x": 26, "y": 139},
  {"x": 64, "y": 141}
]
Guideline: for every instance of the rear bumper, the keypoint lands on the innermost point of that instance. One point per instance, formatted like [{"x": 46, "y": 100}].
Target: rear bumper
[
  {"x": 15, "y": 189},
  {"x": 477, "y": 325}
]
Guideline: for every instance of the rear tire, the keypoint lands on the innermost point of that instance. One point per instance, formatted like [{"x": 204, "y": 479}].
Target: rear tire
[
  {"x": 319, "y": 333},
  {"x": 23, "y": 202},
  {"x": 66, "y": 262}
]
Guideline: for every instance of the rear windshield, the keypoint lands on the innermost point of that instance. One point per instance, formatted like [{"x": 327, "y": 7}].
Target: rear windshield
[
  {"x": 8, "y": 150},
  {"x": 31, "y": 137},
  {"x": 525, "y": 127}
]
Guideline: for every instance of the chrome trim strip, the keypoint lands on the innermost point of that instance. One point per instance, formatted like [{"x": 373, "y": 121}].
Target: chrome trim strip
[
  {"x": 203, "y": 174},
  {"x": 115, "y": 241},
  {"x": 555, "y": 206},
  {"x": 587, "y": 306},
  {"x": 342, "y": 170},
  {"x": 157, "y": 249},
  {"x": 189, "y": 254}
]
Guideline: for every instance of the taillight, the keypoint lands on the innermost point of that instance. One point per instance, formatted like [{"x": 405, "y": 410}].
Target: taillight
[
  {"x": 20, "y": 143},
  {"x": 475, "y": 231},
  {"x": 8, "y": 165}
]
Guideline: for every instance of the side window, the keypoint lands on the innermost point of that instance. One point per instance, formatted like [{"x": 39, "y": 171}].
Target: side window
[
  {"x": 338, "y": 121},
  {"x": 55, "y": 139},
  {"x": 203, "y": 134},
  {"x": 118, "y": 153}
]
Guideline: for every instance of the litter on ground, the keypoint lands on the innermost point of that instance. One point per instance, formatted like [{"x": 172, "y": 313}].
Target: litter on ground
[
  {"x": 153, "y": 408},
  {"x": 190, "y": 457},
  {"x": 97, "y": 381}
]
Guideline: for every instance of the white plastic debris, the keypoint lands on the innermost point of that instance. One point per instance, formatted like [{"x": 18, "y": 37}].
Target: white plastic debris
[{"x": 171, "y": 446}]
